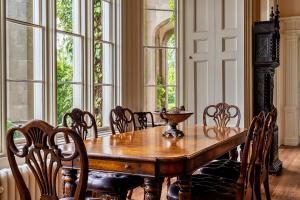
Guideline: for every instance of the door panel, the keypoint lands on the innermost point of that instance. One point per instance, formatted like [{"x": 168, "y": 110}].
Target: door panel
[{"x": 214, "y": 54}]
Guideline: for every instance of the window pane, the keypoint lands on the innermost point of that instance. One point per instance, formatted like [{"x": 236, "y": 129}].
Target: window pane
[
  {"x": 24, "y": 10},
  {"x": 103, "y": 63},
  {"x": 171, "y": 66},
  {"x": 103, "y": 15},
  {"x": 24, "y": 52},
  {"x": 103, "y": 103},
  {"x": 160, "y": 4},
  {"x": 155, "y": 98},
  {"x": 68, "y": 15},
  {"x": 160, "y": 66},
  {"x": 24, "y": 102},
  {"x": 69, "y": 58},
  {"x": 69, "y": 96},
  {"x": 158, "y": 25},
  {"x": 171, "y": 96}
]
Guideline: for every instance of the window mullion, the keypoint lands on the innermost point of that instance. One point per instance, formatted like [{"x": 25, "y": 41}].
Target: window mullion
[
  {"x": 3, "y": 76},
  {"x": 51, "y": 93}
]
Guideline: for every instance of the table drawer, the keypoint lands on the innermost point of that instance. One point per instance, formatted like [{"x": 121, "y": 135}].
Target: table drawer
[{"x": 141, "y": 168}]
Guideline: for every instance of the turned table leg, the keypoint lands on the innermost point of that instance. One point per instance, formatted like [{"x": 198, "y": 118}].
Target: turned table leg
[
  {"x": 69, "y": 177},
  {"x": 153, "y": 188},
  {"x": 185, "y": 185}
]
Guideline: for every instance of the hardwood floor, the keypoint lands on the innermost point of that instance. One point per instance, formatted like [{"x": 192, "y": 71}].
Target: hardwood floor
[
  {"x": 284, "y": 187},
  {"x": 287, "y": 186}
]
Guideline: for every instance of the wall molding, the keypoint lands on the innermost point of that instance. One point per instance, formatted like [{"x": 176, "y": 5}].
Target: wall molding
[{"x": 288, "y": 80}]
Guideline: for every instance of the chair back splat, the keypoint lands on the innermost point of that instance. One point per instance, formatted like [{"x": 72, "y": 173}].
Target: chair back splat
[
  {"x": 122, "y": 119},
  {"x": 81, "y": 122},
  {"x": 44, "y": 158},
  {"x": 222, "y": 114},
  {"x": 143, "y": 119}
]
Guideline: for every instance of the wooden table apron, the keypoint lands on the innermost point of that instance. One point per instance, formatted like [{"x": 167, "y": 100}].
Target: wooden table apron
[{"x": 146, "y": 153}]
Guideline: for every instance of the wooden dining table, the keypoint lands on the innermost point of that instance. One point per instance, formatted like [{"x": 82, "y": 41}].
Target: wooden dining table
[{"x": 148, "y": 154}]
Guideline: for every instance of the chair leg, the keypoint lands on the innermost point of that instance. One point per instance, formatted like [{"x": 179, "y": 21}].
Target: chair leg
[
  {"x": 267, "y": 188},
  {"x": 233, "y": 154},
  {"x": 129, "y": 195}
]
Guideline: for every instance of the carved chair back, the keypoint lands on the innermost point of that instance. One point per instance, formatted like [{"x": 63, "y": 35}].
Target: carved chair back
[
  {"x": 82, "y": 122},
  {"x": 122, "y": 119},
  {"x": 142, "y": 119},
  {"x": 246, "y": 179},
  {"x": 222, "y": 114},
  {"x": 44, "y": 158},
  {"x": 262, "y": 162}
]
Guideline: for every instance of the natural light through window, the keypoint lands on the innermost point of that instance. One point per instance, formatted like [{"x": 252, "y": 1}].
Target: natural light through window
[{"x": 160, "y": 55}]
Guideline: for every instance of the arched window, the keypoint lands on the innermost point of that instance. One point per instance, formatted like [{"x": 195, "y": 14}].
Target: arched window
[{"x": 160, "y": 54}]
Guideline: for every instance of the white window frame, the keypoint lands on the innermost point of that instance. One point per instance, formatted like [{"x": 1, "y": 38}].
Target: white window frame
[
  {"x": 116, "y": 5},
  {"x": 48, "y": 25}
]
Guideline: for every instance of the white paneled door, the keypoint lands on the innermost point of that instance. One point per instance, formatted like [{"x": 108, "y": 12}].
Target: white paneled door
[{"x": 214, "y": 54}]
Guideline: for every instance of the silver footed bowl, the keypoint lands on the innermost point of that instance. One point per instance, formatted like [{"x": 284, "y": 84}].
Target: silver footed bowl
[{"x": 173, "y": 117}]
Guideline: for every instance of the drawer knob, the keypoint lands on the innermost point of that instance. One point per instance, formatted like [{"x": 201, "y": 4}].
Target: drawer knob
[{"x": 127, "y": 166}]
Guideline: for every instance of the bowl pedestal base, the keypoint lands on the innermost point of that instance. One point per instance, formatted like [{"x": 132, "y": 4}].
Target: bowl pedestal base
[{"x": 173, "y": 131}]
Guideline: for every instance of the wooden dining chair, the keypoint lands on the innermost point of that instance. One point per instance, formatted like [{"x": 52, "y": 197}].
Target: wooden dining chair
[
  {"x": 231, "y": 169},
  {"x": 208, "y": 187},
  {"x": 262, "y": 162},
  {"x": 111, "y": 185},
  {"x": 221, "y": 115},
  {"x": 122, "y": 119},
  {"x": 44, "y": 158},
  {"x": 143, "y": 120}
]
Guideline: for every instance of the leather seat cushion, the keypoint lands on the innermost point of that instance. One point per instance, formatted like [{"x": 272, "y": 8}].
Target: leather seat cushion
[
  {"x": 223, "y": 168},
  {"x": 112, "y": 182},
  {"x": 207, "y": 187}
]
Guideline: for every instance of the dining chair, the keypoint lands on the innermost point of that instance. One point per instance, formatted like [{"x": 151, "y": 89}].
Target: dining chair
[
  {"x": 262, "y": 163},
  {"x": 111, "y": 185},
  {"x": 211, "y": 187},
  {"x": 230, "y": 169},
  {"x": 121, "y": 119},
  {"x": 143, "y": 120},
  {"x": 222, "y": 115},
  {"x": 44, "y": 158}
]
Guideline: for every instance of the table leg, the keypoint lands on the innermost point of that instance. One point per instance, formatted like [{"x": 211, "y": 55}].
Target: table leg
[
  {"x": 69, "y": 177},
  {"x": 185, "y": 185},
  {"x": 153, "y": 188},
  {"x": 234, "y": 154}
]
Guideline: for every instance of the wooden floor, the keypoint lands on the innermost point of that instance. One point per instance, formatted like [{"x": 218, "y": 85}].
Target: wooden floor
[{"x": 284, "y": 187}]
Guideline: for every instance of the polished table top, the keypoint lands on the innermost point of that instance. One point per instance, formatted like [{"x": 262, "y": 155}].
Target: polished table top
[
  {"x": 148, "y": 154},
  {"x": 149, "y": 144}
]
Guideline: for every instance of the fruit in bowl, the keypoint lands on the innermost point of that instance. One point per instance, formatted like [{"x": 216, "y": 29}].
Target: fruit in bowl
[{"x": 173, "y": 117}]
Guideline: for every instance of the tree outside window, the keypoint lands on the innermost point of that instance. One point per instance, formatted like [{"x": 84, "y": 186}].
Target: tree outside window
[{"x": 160, "y": 57}]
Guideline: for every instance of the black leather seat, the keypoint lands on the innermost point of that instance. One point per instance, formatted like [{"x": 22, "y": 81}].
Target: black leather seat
[
  {"x": 223, "y": 168},
  {"x": 207, "y": 187},
  {"x": 112, "y": 182}
]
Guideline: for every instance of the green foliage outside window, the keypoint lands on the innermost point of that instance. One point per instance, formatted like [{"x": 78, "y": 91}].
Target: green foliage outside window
[
  {"x": 166, "y": 96},
  {"x": 98, "y": 57},
  {"x": 171, "y": 64},
  {"x": 64, "y": 68}
]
